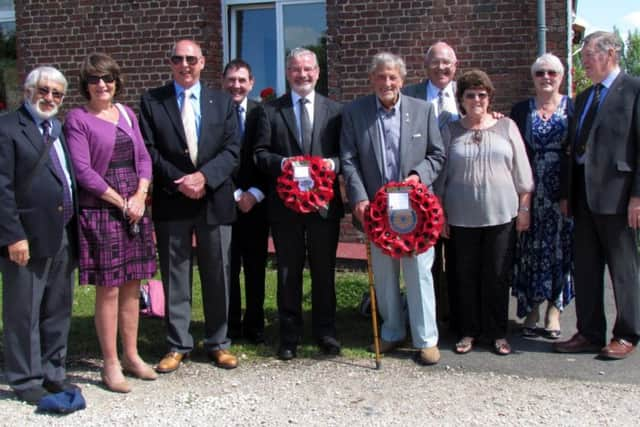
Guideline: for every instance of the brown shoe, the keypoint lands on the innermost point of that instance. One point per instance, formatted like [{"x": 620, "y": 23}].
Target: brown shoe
[
  {"x": 577, "y": 344},
  {"x": 223, "y": 359},
  {"x": 385, "y": 346},
  {"x": 618, "y": 348},
  {"x": 170, "y": 362},
  {"x": 429, "y": 355},
  {"x": 141, "y": 371}
]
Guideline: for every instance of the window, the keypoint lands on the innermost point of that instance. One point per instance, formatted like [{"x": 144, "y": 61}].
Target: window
[
  {"x": 263, "y": 32},
  {"x": 7, "y": 18}
]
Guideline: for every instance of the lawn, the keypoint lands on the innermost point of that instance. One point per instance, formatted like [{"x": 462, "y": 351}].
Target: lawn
[{"x": 354, "y": 331}]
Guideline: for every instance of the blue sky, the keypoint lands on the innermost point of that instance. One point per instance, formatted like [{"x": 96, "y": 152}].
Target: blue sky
[{"x": 604, "y": 14}]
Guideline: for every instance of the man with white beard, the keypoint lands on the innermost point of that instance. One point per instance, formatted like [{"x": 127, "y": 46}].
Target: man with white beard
[{"x": 37, "y": 239}]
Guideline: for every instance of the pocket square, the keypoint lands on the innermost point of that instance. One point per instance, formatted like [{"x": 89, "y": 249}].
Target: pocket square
[{"x": 416, "y": 135}]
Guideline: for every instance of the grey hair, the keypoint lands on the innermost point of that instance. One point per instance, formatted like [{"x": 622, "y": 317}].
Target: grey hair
[
  {"x": 603, "y": 41},
  {"x": 301, "y": 51},
  {"x": 43, "y": 72},
  {"x": 384, "y": 59},
  {"x": 446, "y": 45},
  {"x": 550, "y": 60}
]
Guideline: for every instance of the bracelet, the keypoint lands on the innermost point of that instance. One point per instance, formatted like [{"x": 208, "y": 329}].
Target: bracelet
[{"x": 523, "y": 209}]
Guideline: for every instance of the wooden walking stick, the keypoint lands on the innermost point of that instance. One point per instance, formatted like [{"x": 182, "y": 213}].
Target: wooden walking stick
[{"x": 374, "y": 307}]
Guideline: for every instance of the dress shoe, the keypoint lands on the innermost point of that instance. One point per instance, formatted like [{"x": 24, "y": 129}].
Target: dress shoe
[
  {"x": 429, "y": 355},
  {"x": 385, "y": 346},
  {"x": 577, "y": 344},
  {"x": 141, "y": 371},
  {"x": 618, "y": 348},
  {"x": 223, "y": 359},
  {"x": 170, "y": 362},
  {"x": 287, "y": 351},
  {"x": 329, "y": 345},
  {"x": 113, "y": 383},
  {"x": 58, "y": 386},
  {"x": 32, "y": 395}
]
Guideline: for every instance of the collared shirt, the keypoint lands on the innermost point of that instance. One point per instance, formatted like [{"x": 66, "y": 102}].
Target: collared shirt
[
  {"x": 388, "y": 121},
  {"x": 259, "y": 195},
  {"x": 449, "y": 99},
  {"x": 57, "y": 145},
  {"x": 295, "y": 98},
  {"x": 195, "y": 101}
]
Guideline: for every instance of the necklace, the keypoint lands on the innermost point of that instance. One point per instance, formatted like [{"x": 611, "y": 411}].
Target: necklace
[{"x": 546, "y": 109}]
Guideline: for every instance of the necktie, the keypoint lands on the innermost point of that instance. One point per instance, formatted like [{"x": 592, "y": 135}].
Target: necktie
[
  {"x": 67, "y": 201},
  {"x": 240, "y": 113},
  {"x": 440, "y": 102},
  {"x": 189, "y": 124},
  {"x": 305, "y": 126},
  {"x": 583, "y": 133}
]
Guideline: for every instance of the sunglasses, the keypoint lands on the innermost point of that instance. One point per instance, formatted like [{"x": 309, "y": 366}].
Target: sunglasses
[
  {"x": 44, "y": 91},
  {"x": 94, "y": 80},
  {"x": 550, "y": 73},
  {"x": 178, "y": 59},
  {"x": 474, "y": 95}
]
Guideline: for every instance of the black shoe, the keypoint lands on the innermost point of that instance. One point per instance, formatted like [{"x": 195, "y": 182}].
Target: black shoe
[
  {"x": 256, "y": 337},
  {"x": 58, "y": 386},
  {"x": 32, "y": 395},
  {"x": 287, "y": 351},
  {"x": 329, "y": 345}
]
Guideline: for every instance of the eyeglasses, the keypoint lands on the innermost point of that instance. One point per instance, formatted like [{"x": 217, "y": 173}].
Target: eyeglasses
[
  {"x": 44, "y": 91},
  {"x": 550, "y": 73},
  {"x": 178, "y": 59},
  {"x": 444, "y": 63},
  {"x": 94, "y": 80},
  {"x": 474, "y": 95}
]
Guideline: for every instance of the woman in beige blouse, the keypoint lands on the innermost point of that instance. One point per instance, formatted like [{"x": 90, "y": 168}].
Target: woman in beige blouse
[{"x": 486, "y": 189}]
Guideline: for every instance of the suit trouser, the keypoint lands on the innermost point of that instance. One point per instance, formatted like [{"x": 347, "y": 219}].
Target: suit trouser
[
  {"x": 483, "y": 266},
  {"x": 316, "y": 238},
  {"x": 176, "y": 265},
  {"x": 249, "y": 245},
  {"x": 36, "y": 307},
  {"x": 600, "y": 240}
]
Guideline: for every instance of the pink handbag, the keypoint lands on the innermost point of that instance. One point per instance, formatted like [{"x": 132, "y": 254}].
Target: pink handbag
[{"x": 152, "y": 299}]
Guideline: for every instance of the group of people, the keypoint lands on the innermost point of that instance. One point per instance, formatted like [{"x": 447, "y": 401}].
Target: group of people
[{"x": 539, "y": 202}]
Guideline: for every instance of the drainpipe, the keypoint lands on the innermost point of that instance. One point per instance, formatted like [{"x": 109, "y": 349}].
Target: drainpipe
[{"x": 542, "y": 28}]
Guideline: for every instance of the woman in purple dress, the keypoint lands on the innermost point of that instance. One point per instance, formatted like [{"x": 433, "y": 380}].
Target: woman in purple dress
[{"x": 113, "y": 170}]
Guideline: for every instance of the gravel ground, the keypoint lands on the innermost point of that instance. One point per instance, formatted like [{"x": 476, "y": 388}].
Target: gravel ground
[{"x": 337, "y": 392}]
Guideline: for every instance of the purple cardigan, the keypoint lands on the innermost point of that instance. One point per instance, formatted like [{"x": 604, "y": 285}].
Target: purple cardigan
[{"x": 91, "y": 141}]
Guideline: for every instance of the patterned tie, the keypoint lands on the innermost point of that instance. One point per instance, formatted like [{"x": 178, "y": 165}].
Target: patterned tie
[
  {"x": 189, "y": 124},
  {"x": 440, "y": 102},
  {"x": 240, "y": 113},
  {"x": 583, "y": 133},
  {"x": 67, "y": 201},
  {"x": 305, "y": 126}
]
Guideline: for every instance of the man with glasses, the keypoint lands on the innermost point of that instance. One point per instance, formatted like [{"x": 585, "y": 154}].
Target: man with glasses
[
  {"x": 601, "y": 189},
  {"x": 37, "y": 239},
  {"x": 192, "y": 135}
]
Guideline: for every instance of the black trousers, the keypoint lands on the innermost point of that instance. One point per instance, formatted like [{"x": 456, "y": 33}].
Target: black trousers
[{"x": 483, "y": 266}]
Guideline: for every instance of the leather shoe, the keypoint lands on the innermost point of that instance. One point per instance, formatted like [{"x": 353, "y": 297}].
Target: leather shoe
[
  {"x": 577, "y": 344},
  {"x": 170, "y": 362},
  {"x": 385, "y": 346},
  {"x": 32, "y": 395},
  {"x": 287, "y": 352},
  {"x": 618, "y": 348},
  {"x": 223, "y": 359},
  {"x": 429, "y": 355},
  {"x": 329, "y": 345},
  {"x": 58, "y": 386}
]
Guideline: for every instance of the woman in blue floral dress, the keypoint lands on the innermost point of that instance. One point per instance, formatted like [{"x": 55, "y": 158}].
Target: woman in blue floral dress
[{"x": 543, "y": 268}]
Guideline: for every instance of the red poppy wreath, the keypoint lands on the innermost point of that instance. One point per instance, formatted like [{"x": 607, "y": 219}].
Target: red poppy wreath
[
  {"x": 306, "y": 184},
  {"x": 427, "y": 216}
]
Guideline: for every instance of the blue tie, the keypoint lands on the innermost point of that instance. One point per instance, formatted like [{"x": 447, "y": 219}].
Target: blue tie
[
  {"x": 239, "y": 111},
  {"x": 67, "y": 201}
]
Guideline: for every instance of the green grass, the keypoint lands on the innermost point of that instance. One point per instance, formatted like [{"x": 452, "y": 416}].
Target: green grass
[{"x": 354, "y": 331}]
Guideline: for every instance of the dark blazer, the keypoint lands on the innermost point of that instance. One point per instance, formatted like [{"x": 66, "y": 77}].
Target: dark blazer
[
  {"x": 247, "y": 174},
  {"x": 278, "y": 138},
  {"x": 33, "y": 213},
  {"x": 218, "y": 154},
  {"x": 612, "y": 162}
]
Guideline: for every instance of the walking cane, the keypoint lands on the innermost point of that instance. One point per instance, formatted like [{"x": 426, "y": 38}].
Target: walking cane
[{"x": 374, "y": 307}]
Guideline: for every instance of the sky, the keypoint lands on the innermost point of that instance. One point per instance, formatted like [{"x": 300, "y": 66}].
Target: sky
[{"x": 604, "y": 14}]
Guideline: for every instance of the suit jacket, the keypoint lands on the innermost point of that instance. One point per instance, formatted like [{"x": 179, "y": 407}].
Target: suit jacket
[
  {"x": 218, "y": 154},
  {"x": 419, "y": 91},
  {"x": 421, "y": 147},
  {"x": 248, "y": 175},
  {"x": 278, "y": 138},
  {"x": 612, "y": 158},
  {"x": 33, "y": 213}
]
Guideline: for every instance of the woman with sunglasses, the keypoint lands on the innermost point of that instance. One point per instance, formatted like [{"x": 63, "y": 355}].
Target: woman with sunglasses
[
  {"x": 113, "y": 170},
  {"x": 543, "y": 266},
  {"x": 485, "y": 189}
]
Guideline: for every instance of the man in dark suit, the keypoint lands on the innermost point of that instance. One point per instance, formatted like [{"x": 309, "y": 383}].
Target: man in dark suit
[
  {"x": 297, "y": 123},
  {"x": 601, "y": 188},
  {"x": 191, "y": 133},
  {"x": 250, "y": 234},
  {"x": 385, "y": 138},
  {"x": 37, "y": 239}
]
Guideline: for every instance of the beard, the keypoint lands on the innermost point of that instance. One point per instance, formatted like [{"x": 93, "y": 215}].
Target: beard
[{"x": 44, "y": 115}]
